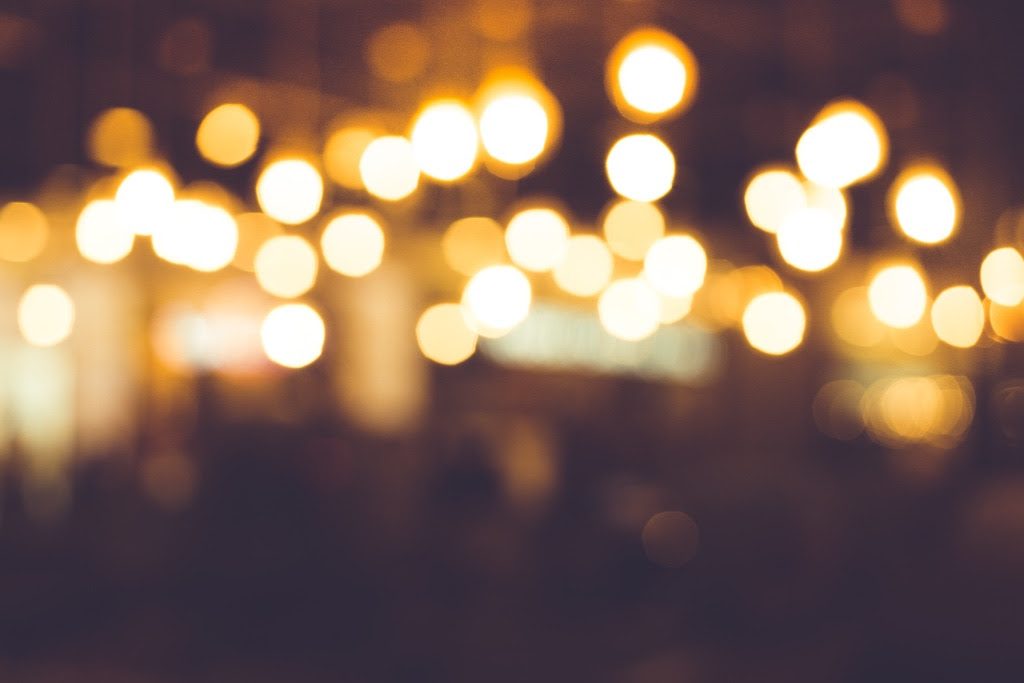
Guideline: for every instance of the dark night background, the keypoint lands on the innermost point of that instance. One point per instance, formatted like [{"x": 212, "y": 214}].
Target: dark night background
[{"x": 309, "y": 550}]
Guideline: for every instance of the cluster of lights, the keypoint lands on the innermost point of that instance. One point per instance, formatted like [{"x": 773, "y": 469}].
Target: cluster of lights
[{"x": 639, "y": 274}]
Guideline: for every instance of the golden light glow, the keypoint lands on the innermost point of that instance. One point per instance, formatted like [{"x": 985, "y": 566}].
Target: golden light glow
[
  {"x": 445, "y": 336},
  {"x": 24, "y": 232},
  {"x": 925, "y": 204},
  {"x": 503, "y": 20},
  {"x": 514, "y": 129},
  {"x": 809, "y": 240},
  {"x": 537, "y": 239},
  {"x": 829, "y": 200},
  {"x": 630, "y": 309},
  {"x": 254, "y": 229},
  {"x": 520, "y": 121},
  {"x": 853, "y": 320},
  {"x": 398, "y": 52},
  {"x": 1002, "y": 276},
  {"x": 342, "y": 152},
  {"x": 445, "y": 141},
  {"x": 845, "y": 144},
  {"x": 772, "y": 195},
  {"x": 389, "y": 169},
  {"x": 497, "y": 299},
  {"x": 641, "y": 167},
  {"x": 958, "y": 316},
  {"x": 1007, "y": 321},
  {"x": 100, "y": 236},
  {"x": 630, "y": 228},
  {"x": 898, "y": 296},
  {"x": 676, "y": 265},
  {"x": 286, "y": 266},
  {"x": 917, "y": 340},
  {"x": 120, "y": 137},
  {"x": 46, "y": 315},
  {"x": 293, "y": 335},
  {"x": 197, "y": 235},
  {"x": 353, "y": 244},
  {"x": 774, "y": 323},
  {"x": 587, "y": 267},
  {"x": 472, "y": 244},
  {"x": 290, "y": 191},
  {"x": 911, "y": 410},
  {"x": 651, "y": 74},
  {"x": 674, "y": 309},
  {"x": 144, "y": 199},
  {"x": 214, "y": 239},
  {"x": 228, "y": 135}
]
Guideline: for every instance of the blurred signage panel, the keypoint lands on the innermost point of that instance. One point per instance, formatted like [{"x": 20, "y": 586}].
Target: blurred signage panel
[{"x": 564, "y": 339}]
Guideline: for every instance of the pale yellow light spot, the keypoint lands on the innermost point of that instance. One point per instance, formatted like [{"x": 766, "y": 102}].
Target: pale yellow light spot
[
  {"x": 514, "y": 128},
  {"x": 228, "y": 135},
  {"x": 286, "y": 266},
  {"x": 773, "y": 195},
  {"x": 958, "y": 316},
  {"x": 774, "y": 323},
  {"x": 630, "y": 228},
  {"x": 445, "y": 141},
  {"x": 353, "y": 244},
  {"x": 898, "y": 296},
  {"x": 674, "y": 309},
  {"x": 918, "y": 340},
  {"x": 641, "y": 167},
  {"x": 676, "y": 265},
  {"x": 342, "y": 153},
  {"x": 24, "y": 232},
  {"x": 1002, "y": 276},
  {"x": 497, "y": 299},
  {"x": 389, "y": 169},
  {"x": 925, "y": 204},
  {"x": 587, "y": 267},
  {"x": 293, "y": 335},
  {"x": 845, "y": 144},
  {"x": 290, "y": 191},
  {"x": 630, "y": 309},
  {"x": 197, "y": 235},
  {"x": 537, "y": 239},
  {"x": 120, "y": 137},
  {"x": 471, "y": 244},
  {"x": 444, "y": 334},
  {"x": 809, "y": 240},
  {"x": 101, "y": 237},
  {"x": 651, "y": 74},
  {"x": 46, "y": 315},
  {"x": 144, "y": 199},
  {"x": 254, "y": 229}
]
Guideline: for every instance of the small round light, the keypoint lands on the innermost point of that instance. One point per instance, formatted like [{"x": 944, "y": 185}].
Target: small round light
[
  {"x": 444, "y": 334},
  {"x": 630, "y": 228},
  {"x": 286, "y": 266},
  {"x": 641, "y": 167},
  {"x": 537, "y": 239},
  {"x": 290, "y": 191},
  {"x": 845, "y": 144},
  {"x": 925, "y": 204},
  {"x": 353, "y": 244},
  {"x": 100, "y": 236},
  {"x": 676, "y": 266},
  {"x": 898, "y": 296},
  {"x": 445, "y": 141},
  {"x": 143, "y": 200},
  {"x": 46, "y": 315},
  {"x": 228, "y": 135},
  {"x": 389, "y": 169},
  {"x": 293, "y": 335},
  {"x": 774, "y": 323},
  {"x": 958, "y": 316},
  {"x": 1002, "y": 276},
  {"x": 497, "y": 299},
  {"x": 772, "y": 196},
  {"x": 587, "y": 267},
  {"x": 809, "y": 240},
  {"x": 630, "y": 310},
  {"x": 24, "y": 232}
]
